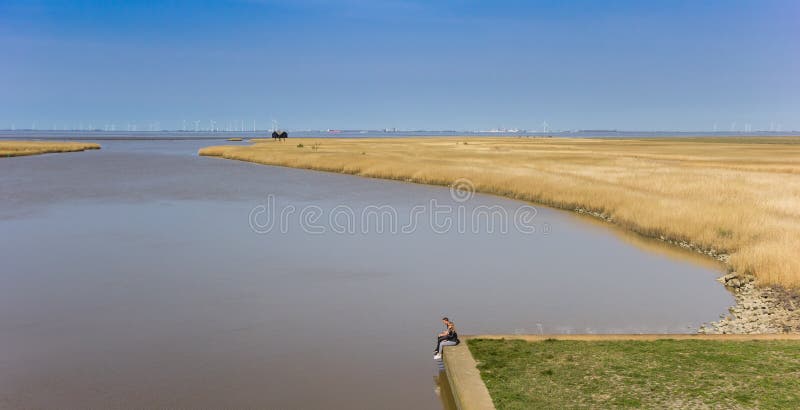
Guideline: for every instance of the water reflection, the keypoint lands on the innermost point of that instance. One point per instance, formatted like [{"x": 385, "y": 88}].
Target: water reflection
[{"x": 442, "y": 390}]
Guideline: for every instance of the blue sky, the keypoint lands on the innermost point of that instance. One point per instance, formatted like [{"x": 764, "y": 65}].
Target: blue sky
[{"x": 316, "y": 64}]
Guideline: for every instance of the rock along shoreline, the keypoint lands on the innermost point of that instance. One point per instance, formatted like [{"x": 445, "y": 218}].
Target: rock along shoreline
[{"x": 758, "y": 309}]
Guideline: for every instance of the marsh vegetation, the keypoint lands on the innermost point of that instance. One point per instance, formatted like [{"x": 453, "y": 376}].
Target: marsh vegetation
[
  {"x": 734, "y": 196},
  {"x": 21, "y": 148}
]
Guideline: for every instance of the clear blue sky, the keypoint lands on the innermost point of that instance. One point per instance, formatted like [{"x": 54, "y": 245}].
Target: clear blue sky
[{"x": 316, "y": 64}]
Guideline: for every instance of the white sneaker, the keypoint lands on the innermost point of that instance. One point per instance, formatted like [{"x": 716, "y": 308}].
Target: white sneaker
[{"x": 437, "y": 356}]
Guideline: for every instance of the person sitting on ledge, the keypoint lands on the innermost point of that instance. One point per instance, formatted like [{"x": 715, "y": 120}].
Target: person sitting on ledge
[{"x": 447, "y": 338}]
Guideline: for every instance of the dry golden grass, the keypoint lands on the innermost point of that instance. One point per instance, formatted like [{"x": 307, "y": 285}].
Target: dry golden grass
[
  {"x": 20, "y": 148},
  {"x": 738, "y": 196},
  {"x": 235, "y": 139}
]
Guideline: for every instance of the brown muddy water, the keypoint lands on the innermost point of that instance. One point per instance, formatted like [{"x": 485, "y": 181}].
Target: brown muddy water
[{"x": 133, "y": 277}]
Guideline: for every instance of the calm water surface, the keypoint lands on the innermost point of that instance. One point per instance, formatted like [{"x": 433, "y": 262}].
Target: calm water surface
[{"x": 131, "y": 277}]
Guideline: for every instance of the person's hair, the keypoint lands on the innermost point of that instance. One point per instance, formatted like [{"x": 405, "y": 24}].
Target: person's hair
[{"x": 446, "y": 319}]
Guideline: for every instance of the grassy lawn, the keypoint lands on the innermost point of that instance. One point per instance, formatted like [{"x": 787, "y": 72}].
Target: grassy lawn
[{"x": 650, "y": 374}]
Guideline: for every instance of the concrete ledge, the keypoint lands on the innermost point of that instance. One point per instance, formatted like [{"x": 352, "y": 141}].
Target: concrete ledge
[{"x": 469, "y": 392}]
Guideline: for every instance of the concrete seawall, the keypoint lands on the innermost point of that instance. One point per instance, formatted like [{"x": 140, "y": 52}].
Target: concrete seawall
[{"x": 470, "y": 393}]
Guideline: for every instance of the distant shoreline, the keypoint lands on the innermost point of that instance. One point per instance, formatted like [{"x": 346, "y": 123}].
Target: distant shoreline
[{"x": 360, "y": 134}]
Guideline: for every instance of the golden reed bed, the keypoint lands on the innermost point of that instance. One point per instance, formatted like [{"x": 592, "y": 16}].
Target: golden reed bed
[
  {"x": 20, "y": 148},
  {"x": 739, "y": 196}
]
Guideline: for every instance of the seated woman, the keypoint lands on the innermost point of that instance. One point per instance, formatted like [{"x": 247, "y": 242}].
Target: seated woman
[{"x": 447, "y": 338}]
